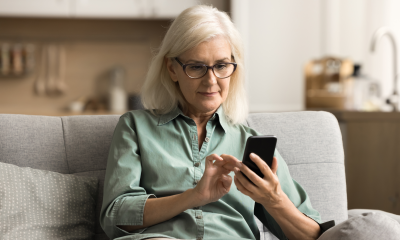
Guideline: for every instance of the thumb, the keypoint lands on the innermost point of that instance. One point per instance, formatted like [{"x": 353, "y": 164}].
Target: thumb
[
  {"x": 210, "y": 159},
  {"x": 274, "y": 166}
]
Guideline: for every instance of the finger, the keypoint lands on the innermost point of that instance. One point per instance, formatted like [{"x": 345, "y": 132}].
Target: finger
[
  {"x": 210, "y": 159},
  {"x": 226, "y": 182},
  {"x": 274, "y": 166},
  {"x": 240, "y": 187},
  {"x": 219, "y": 162},
  {"x": 245, "y": 183},
  {"x": 229, "y": 166},
  {"x": 251, "y": 175},
  {"x": 261, "y": 164},
  {"x": 231, "y": 159}
]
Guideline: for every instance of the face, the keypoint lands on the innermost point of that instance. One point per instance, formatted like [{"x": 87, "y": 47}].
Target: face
[{"x": 206, "y": 94}]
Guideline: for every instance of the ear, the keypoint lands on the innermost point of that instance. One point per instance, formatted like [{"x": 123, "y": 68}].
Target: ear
[{"x": 171, "y": 70}]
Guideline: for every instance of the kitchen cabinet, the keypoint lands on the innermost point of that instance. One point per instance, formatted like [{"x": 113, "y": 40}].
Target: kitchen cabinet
[
  {"x": 33, "y": 8},
  {"x": 127, "y": 9},
  {"x": 372, "y": 159},
  {"x": 171, "y": 8},
  {"x": 111, "y": 9}
]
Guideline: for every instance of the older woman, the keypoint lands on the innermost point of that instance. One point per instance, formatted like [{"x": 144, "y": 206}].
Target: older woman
[{"x": 170, "y": 167}]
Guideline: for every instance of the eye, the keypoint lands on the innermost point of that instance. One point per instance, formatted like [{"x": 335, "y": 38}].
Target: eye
[
  {"x": 196, "y": 67},
  {"x": 220, "y": 66}
]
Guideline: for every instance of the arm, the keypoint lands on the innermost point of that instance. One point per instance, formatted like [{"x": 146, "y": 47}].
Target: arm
[
  {"x": 214, "y": 184},
  {"x": 268, "y": 192},
  {"x": 294, "y": 223},
  {"x": 158, "y": 210}
]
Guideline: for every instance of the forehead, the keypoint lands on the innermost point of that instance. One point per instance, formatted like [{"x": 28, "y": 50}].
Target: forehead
[{"x": 214, "y": 49}]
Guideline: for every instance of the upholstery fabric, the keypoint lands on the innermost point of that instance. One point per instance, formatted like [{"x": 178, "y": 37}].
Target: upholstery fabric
[
  {"x": 80, "y": 144},
  {"x": 367, "y": 226},
  {"x": 87, "y": 141},
  {"x": 357, "y": 212},
  {"x": 33, "y": 141},
  {"x": 40, "y": 204},
  {"x": 311, "y": 144}
]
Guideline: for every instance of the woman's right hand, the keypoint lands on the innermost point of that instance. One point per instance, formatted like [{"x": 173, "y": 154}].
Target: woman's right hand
[{"x": 215, "y": 182}]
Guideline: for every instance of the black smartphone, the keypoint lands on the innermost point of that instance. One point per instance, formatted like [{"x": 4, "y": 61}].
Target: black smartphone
[{"x": 264, "y": 147}]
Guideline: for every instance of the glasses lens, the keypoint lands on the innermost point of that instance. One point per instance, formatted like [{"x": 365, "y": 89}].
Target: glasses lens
[
  {"x": 195, "y": 70},
  {"x": 224, "y": 70}
]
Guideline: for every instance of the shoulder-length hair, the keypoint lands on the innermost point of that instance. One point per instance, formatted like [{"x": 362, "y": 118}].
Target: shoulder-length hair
[{"x": 195, "y": 25}]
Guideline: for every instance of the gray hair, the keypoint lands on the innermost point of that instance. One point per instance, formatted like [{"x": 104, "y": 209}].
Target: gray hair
[{"x": 193, "y": 26}]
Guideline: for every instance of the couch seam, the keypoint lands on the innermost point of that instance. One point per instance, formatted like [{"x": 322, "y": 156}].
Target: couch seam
[{"x": 65, "y": 146}]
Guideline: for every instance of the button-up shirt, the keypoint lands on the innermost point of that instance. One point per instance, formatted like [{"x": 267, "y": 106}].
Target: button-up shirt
[{"x": 159, "y": 156}]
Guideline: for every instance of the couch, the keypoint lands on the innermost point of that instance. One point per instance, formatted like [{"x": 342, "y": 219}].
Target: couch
[{"x": 310, "y": 142}]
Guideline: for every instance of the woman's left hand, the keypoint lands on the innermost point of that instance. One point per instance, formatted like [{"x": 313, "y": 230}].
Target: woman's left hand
[{"x": 267, "y": 190}]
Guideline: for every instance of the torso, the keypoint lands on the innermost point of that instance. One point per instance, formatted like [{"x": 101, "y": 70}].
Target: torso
[{"x": 201, "y": 134}]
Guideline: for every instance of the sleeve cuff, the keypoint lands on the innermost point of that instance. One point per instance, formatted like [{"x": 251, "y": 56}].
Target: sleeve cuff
[
  {"x": 323, "y": 226},
  {"x": 130, "y": 210}
]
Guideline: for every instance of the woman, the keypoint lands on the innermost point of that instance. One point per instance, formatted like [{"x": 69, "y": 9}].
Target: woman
[{"x": 170, "y": 167}]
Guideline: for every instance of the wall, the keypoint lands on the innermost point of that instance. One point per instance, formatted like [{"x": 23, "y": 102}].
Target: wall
[
  {"x": 352, "y": 28},
  {"x": 282, "y": 37}
]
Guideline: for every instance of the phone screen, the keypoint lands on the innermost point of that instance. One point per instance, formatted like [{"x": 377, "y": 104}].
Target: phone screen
[{"x": 264, "y": 147}]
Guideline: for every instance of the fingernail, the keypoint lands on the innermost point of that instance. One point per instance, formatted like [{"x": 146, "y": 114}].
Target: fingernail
[
  {"x": 239, "y": 164},
  {"x": 252, "y": 154}
]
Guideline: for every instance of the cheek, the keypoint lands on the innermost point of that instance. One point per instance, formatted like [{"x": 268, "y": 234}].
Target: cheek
[
  {"x": 225, "y": 88},
  {"x": 187, "y": 88}
]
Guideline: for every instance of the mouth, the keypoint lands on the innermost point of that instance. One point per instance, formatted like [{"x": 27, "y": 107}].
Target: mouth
[{"x": 208, "y": 94}]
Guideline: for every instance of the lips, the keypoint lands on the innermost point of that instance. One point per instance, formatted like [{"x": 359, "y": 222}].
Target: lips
[{"x": 208, "y": 94}]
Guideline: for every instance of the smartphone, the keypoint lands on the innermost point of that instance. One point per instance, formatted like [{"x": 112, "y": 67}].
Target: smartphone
[{"x": 264, "y": 147}]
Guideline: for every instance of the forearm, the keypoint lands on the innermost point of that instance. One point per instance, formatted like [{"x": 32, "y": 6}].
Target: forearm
[
  {"x": 158, "y": 210},
  {"x": 293, "y": 223}
]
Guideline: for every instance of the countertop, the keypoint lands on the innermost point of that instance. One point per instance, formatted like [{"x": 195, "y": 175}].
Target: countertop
[{"x": 351, "y": 115}]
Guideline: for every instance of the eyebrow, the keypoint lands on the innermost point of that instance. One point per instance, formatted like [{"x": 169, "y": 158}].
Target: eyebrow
[{"x": 217, "y": 61}]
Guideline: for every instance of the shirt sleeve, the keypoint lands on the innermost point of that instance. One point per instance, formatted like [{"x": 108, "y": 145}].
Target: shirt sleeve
[
  {"x": 123, "y": 198},
  {"x": 296, "y": 194}
]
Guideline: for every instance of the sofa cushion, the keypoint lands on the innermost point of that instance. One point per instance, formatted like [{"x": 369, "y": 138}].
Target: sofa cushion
[
  {"x": 367, "y": 226},
  {"x": 42, "y": 204}
]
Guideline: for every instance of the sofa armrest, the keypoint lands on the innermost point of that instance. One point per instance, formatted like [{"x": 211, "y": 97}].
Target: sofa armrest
[{"x": 357, "y": 212}]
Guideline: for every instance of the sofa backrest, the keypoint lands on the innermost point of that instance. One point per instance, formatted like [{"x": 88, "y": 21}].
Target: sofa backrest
[
  {"x": 310, "y": 142},
  {"x": 71, "y": 145}
]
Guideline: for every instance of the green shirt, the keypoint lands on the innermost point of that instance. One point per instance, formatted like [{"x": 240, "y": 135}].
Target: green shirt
[{"x": 158, "y": 156}]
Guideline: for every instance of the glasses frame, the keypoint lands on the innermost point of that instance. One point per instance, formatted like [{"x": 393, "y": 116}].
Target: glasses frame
[{"x": 208, "y": 67}]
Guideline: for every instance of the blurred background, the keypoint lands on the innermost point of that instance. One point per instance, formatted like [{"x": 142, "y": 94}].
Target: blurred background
[{"x": 73, "y": 57}]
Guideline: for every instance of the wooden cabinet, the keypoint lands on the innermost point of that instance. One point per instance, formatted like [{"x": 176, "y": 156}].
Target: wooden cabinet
[
  {"x": 372, "y": 156},
  {"x": 33, "y": 8}
]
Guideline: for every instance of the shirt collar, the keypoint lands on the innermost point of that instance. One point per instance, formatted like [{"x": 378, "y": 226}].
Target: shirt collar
[{"x": 219, "y": 115}]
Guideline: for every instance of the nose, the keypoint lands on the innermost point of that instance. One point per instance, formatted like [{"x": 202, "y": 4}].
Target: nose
[{"x": 210, "y": 78}]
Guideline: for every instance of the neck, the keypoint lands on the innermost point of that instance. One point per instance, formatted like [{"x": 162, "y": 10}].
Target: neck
[{"x": 198, "y": 116}]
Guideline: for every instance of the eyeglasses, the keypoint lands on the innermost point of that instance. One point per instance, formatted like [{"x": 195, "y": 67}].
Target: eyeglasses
[{"x": 220, "y": 70}]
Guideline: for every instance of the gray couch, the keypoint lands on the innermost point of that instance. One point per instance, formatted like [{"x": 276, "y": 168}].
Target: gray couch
[{"x": 310, "y": 142}]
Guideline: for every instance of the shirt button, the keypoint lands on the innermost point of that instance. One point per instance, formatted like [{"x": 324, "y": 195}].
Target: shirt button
[
  {"x": 197, "y": 164},
  {"x": 207, "y": 139},
  {"x": 196, "y": 181},
  {"x": 195, "y": 208},
  {"x": 199, "y": 217}
]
